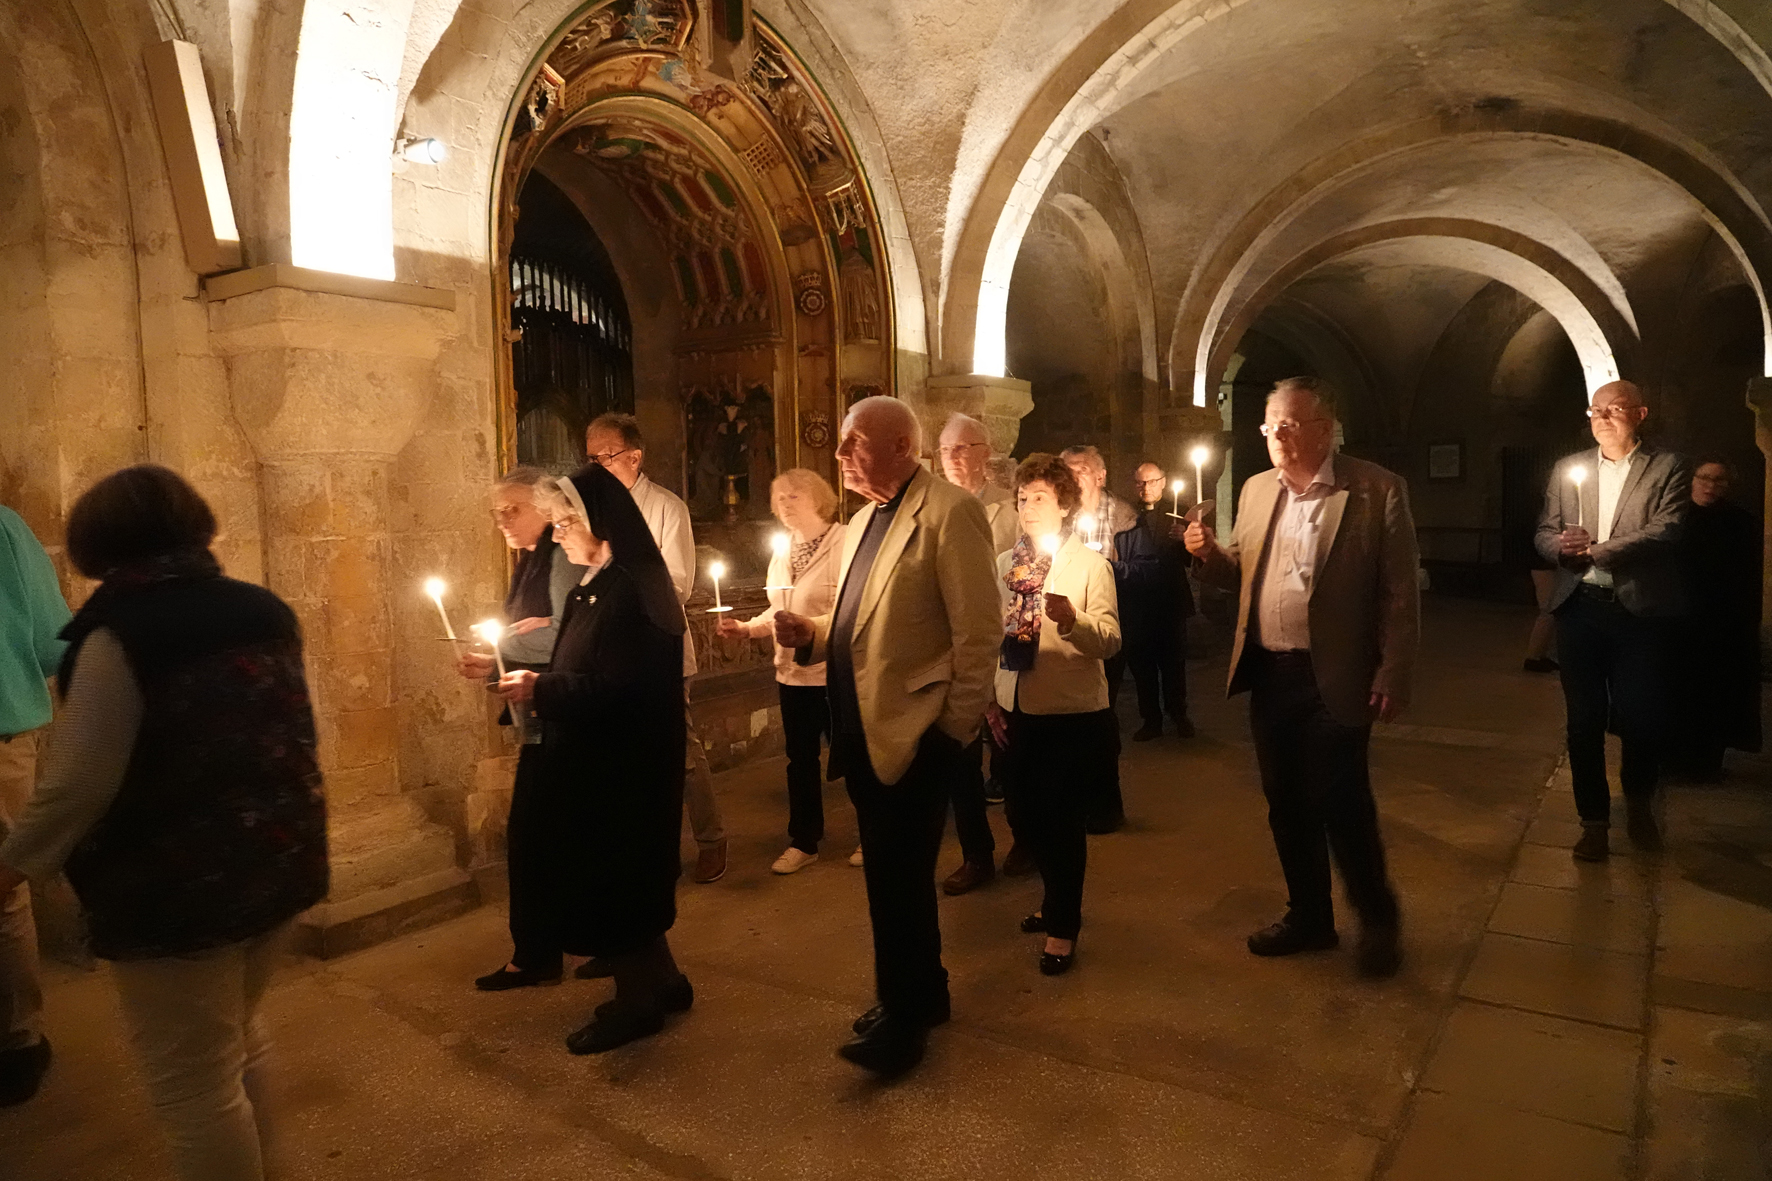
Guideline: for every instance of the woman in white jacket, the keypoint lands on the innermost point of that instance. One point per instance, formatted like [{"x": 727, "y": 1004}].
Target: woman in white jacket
[
  {"x": 803, "y": 581},
  {"x": 1061, "y": 621}
]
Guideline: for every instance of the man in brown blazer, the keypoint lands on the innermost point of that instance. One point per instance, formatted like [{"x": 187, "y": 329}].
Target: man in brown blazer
[
  {"x": 911, "y": 653},
  {"x": 1325, "y": 558}
]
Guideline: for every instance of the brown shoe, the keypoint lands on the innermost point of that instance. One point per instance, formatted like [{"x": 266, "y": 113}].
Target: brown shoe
[
  {"x": 710, "y": 864},
  {"x": 970, "y": 876},
  {"x": 1019, "y": 863}
]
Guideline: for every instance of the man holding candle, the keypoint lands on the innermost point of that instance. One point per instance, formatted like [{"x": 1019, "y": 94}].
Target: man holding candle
[
  {"x": 1614, "y": 535},
  {"x": 910, "y": 649},
  {"x": 1156, "y": 602},
  {"x": 614, "y": 442},
  {"x": 965, "y": 460},
  {"x": 1325, "y": 561}
]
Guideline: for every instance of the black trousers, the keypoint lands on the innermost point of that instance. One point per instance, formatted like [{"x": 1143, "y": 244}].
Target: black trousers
[
  {"x": 1157, "y": 657},
  {"x": 1318, "y": 786},
  {"x": 1053, "y": 758},
  {"x": 901, "y": 826},
  {"x": 1105, "y": 803},
  {"x": 805, "y": 720},
  {"x": 971, "y": 824},
  {"x": 1613, "y": 666},
  {"x": 534, "y": 933}
]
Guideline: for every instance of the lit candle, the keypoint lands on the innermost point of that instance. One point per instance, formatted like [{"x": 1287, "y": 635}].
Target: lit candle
[
  {"x": 1050, "y": 543},
  {"x": 1200, "y": 455},
  {"x": 1175, "y": 489},
  {"x": 434, "y": 587},
  {"x": 715, "y": 570},
  {"x": 1578, "y": 477},
  {"x": 779, "y": 545},
  {"x": 1086, "y": 526},
  {"x": 492, "y": 631}
]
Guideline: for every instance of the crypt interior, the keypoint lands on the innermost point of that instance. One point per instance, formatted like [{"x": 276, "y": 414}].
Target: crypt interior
[{"x": 341, "y": 262}]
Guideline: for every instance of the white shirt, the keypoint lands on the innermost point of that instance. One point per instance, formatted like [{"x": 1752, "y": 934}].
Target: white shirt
[
  {"x": 1293, "y": 555},
  {"x": 668, "y": 519},
  {"x": 1611, "y": 477}
]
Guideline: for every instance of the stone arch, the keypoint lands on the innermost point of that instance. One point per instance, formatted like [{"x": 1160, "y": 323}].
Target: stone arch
[{"x": 1086, "y": 85}]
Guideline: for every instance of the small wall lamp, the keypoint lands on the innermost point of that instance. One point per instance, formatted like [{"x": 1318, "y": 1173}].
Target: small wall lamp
[{"x": 422, "y": 151}]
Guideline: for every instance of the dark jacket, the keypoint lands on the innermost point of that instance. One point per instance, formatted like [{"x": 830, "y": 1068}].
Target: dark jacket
[
  {"x": 218, "y": 832},
  {"x": 1150, "y": 573},
  {"x": 1641, "y": 554}
]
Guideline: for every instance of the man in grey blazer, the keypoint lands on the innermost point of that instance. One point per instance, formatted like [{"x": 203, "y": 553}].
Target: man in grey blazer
[{"x": 1611, "y": 523}]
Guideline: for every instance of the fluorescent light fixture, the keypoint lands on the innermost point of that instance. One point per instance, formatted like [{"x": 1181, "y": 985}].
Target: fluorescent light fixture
[{"x": 424, "y": 151}]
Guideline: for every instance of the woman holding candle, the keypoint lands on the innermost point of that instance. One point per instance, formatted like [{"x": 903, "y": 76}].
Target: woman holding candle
[
  {"x": 803, "y": 580},
  {"x": 606, "y": 784},
  {"x": 1051, "y": 717},
  {"x": 182, "y": 797}
]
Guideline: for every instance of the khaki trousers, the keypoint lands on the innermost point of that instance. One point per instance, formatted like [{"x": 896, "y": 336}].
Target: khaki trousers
[
  {"x": 21, "y": 990},
  {"x": 195, "y": 1026}
]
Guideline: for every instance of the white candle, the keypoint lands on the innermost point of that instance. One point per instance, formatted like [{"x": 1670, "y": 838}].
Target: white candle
[
  {"x": 1200, "y": 456},
  {"x": 1049, "y": 543},
  {"x": 1086, "y": 525},
  {"x": 1578, "y": 477},
  {"x": 1175, "y": 505},
  {"x": 492, "y": 631},
  {"x": 715, "y": 570},
  {"x": 779, "y": 545},
  {"x": 434, "y": 587}
]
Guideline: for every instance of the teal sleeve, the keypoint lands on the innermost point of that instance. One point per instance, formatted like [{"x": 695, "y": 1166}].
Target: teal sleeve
[{"x": 44, "y": 606}]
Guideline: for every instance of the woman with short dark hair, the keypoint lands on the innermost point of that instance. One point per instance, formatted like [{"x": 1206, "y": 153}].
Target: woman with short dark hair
[
  {"x": 1051, "y": 717},
  {"x": 182, "y": 797}
]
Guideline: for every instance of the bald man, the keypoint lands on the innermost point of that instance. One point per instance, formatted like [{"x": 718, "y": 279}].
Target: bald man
[
  {"x": 911, "y": 656},
  {"x": 1155, "y": 605},
  {"x": 1614, "y": 535}
]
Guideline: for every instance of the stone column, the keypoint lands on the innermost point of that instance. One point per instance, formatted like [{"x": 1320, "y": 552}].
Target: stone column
[
  {"x": 328, "y": 385},
  {"x": 998, "y": 402},
  {"x": 1759, "y": 398}
]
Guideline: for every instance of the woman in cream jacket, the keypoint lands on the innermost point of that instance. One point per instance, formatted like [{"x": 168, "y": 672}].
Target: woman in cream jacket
[
  {"x": 804, "y": 581},
  {"x": 1061, "y": 620}
]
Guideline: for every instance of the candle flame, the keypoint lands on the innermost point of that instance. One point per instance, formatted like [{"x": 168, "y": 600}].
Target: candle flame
[
  {"x": 1578, "y": 475},
  {"x": 779, "y": 543},
  {"x": 1086, "y": 523},
  {"x": 1049, "y": 543},
  {"x": 1177, "y": 486},
  {"x": 718, "y": 570},
  {"x": 434, "y": 588},
  {"x": 489, "y": 630},
  {"x": 1200, "y": 455}
]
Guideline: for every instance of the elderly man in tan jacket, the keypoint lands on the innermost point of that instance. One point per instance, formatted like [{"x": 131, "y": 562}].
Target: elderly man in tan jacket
[
  {"x": 1325, "y": 559},
  {"x": 910, "y": 651}
]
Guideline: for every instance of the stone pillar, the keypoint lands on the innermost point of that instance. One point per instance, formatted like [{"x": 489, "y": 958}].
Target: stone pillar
[
  {"x": 328, "y": 384},
  {"x": 1759, "y": 398},
  {"x": 998, "y": 402}
]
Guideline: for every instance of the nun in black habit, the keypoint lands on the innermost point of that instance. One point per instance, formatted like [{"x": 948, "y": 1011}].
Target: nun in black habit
[{"x": 605, "y": 785}]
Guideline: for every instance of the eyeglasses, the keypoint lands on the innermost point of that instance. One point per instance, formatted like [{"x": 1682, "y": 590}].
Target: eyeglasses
[
  {"x": 1612, "y": 411},
  {"x": 1152, "y": 480},
  {"x": 563, "y": 524},
  {"x": 603, "y": 459},
  {"x": 1286, "y": 427},
  {"x": 958, "y": 449}
]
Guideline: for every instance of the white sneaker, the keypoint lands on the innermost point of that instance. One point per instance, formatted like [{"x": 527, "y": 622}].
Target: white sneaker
[
  {"x": 855, "y": 857},
  {"x": 793, "y": 860}
]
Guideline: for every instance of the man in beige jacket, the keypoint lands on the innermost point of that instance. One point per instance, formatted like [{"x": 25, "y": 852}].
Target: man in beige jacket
[
  {"x": 1325, "y": 558},
  {"x": 910, "y": 651}
]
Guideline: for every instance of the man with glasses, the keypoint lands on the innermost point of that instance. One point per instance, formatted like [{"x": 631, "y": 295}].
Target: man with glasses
[
  {"x": 1612, "y": 521},
  {"x": 614, "y": 442},
  {"x": 1155, "y": 605},
  {"x": 1324, "y": 560},
  {"x": 965, "y": 460}
]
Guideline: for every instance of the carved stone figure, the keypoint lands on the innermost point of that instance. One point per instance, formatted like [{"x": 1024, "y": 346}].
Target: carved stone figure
[{"x": 861, "y": 297}]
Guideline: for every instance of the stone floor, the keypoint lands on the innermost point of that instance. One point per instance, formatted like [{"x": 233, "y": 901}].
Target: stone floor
[{"x": 1552, "y": 1021}]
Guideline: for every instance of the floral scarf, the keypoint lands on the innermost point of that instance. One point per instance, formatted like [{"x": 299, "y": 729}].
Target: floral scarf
[
  {"x": 803, "y": 553},
  {"x": 1021, "y": 622}
]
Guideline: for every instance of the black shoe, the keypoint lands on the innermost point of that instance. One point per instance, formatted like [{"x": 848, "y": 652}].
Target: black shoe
[
  {"x": 593, "y": 969},
  {"x": 675, "y": 997},
  {"x": 1539, "y": 664},
  {"x": 618, "y": 1027},
  {"x": 889, "y": 1047},
  {"x": 1641, "y": 828},
  {"x": 1101, "y": 825},
  {"x": 1033, "y": 924},
  {"x": 1147, "y": 732},
  {"x": 515, "y": 978},
  {"x": 1380, "y": 953},
  {"x": 877, "y": 1014},
  {"x": 993, "y": 792},
  {"x": 1288, "y": 938},
  {"x": 1020, "y": 862},
  {"x": 22, "y": 1071},
  {"x": 1593, "y": 845},
  {"x": 1183, "y": 727},
  {"x": 1057, "y": 965}
]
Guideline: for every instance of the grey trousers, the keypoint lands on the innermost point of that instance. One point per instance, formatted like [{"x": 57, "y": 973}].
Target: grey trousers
[
  {"x": 698, "y": 786},
  {"x": 21, "y": 991}
]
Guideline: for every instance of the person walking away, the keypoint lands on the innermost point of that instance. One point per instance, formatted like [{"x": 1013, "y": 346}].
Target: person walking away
[
  {"x": 1324, "y": 561},
  {"x": 183, "y": 799},
  {"x": 802, "y": 580},
  {"x": 32, "y": 612},
  {"x": 614, "y": 441},
  {"x": 910, "y": 647},
  {"x": 1050, "y": 713},
  {"x": 1615, "y": 539}
]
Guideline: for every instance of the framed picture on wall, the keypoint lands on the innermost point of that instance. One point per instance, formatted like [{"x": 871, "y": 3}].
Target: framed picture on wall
[{"x": 1445, "y": 461}]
